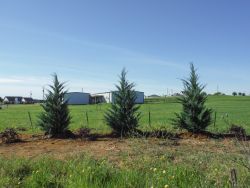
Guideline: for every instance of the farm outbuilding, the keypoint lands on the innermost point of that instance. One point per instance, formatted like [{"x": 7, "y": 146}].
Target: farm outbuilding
[
  {"x": 109, "y": 97},
  {"x": 12, "y": 100},
  {"x": 77, "y": 98},
  {"x": 98, "y": 98}
]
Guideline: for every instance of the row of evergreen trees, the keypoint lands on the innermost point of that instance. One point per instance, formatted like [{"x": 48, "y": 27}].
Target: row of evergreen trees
[{"x": 123, "y": 116}]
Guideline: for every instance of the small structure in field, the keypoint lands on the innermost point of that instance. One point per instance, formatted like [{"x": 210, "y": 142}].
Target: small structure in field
[
  {"x": 109, "y": 97},
  {"x": 98, "y": 98},
  {"x": 12, "y": 100},
  {"x": 77, "y": 98}
]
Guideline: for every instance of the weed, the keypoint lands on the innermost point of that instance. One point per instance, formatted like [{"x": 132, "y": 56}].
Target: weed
[{"x": 9, "y": 136}]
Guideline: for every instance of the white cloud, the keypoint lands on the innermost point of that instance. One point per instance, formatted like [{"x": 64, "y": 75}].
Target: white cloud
[{"x": 10, "y": 81}]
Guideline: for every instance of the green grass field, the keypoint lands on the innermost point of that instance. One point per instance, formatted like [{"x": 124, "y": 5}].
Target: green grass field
[
  {"x": 131, "y": 162},
  {"x": 229, "y": 109}
]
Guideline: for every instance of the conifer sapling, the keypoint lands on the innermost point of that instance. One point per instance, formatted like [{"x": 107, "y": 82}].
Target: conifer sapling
[
  {"x": 195, "y": 117},
  {"x": 55, "y": 119},
  {"x": 123, "y": 116}
]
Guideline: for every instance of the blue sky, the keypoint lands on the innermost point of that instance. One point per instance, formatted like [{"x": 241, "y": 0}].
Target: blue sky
[{"x": 88, "y": 42}]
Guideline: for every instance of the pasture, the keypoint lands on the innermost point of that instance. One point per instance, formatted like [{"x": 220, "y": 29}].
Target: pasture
[
  {"x": 132, "y": 162},
  {"x": 228, "y": 110}
]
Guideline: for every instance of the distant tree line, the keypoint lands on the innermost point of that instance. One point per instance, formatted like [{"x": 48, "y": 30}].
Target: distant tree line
[
  {"x": 219, "y": 94},
  {"x": 238, "y": 94}
]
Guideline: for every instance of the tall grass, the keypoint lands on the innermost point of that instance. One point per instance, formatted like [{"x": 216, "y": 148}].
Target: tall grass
[{"x": 83, "y": 171}]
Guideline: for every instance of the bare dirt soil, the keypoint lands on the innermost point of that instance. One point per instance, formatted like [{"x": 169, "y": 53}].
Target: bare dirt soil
[
  {"x": 32, "y": 147},
  {"x": 115, "y": 148}
]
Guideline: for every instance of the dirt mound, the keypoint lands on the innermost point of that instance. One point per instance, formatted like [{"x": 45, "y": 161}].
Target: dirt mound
[
  {"x": 10, "y": 135},
  {"x": 38, "y": 145},
  {"x": 114, "y": 149}
]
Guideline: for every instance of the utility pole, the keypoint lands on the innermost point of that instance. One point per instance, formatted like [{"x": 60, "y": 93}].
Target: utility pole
[
  {"x": 30, "y": 94},
  {"x": 43, "y": 92}
]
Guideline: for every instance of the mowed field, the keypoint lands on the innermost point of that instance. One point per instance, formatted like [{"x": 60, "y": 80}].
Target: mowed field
[{"x": 228, "y": 110}]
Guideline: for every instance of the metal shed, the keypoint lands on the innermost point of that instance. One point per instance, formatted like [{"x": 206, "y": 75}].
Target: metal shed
[
  {"x": 109, "y": 97},
  {"x": 77, "y": 98}
]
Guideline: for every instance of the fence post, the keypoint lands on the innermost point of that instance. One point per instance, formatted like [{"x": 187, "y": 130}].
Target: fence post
[
  {"x": 149, "y": 118},
  {"x": 31, "y": 124},
  {"x": 233, "y": 178},
  {"x": 87, "y": 118},
  {"x": 215, "y": 118}
]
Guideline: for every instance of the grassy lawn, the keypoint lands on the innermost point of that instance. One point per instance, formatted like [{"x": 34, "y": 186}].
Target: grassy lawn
[{"x": 233, "y": 109}]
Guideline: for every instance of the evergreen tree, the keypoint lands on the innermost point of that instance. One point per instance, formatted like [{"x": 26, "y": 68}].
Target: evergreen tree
[
  {"x": 195, "y": 117},
  {"x": 55, "y": 119},
  {"x": 123, "y": 116}
]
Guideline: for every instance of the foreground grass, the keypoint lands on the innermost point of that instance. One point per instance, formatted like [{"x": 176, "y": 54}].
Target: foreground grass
[
  {"x": 82, "y": 171},
  {"x": 141, "y": 163},
  {"x": 229, "y": 110}
]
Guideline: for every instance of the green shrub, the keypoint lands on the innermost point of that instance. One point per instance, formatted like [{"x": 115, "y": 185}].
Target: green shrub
[
  {"x": 55, "y": 119},
  {"x": 195, "y": 117},
  {"x": 123, "y": 116}
]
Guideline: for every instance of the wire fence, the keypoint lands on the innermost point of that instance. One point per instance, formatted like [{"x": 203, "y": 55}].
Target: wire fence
[
  {"x": 164, "y": 99},
  {"x": 93, "y": 118},
  {"x": 155, "y": 113}
]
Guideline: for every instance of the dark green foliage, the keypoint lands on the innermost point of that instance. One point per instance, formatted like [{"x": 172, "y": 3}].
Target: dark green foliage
[
  {"x": 195, "y": 117},
  {"x": 1, "y": 100},
  {"x": 234, "y": 93},
  {"x": 123, "y": 116},
  {"x": 55, "y": 119}
]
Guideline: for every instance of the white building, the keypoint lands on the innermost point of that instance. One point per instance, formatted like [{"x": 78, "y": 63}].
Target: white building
[
  {"x": 12, "y": 100},
  {"x": 109, "y": 97},
  {"x": 77, "y": 98}
]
